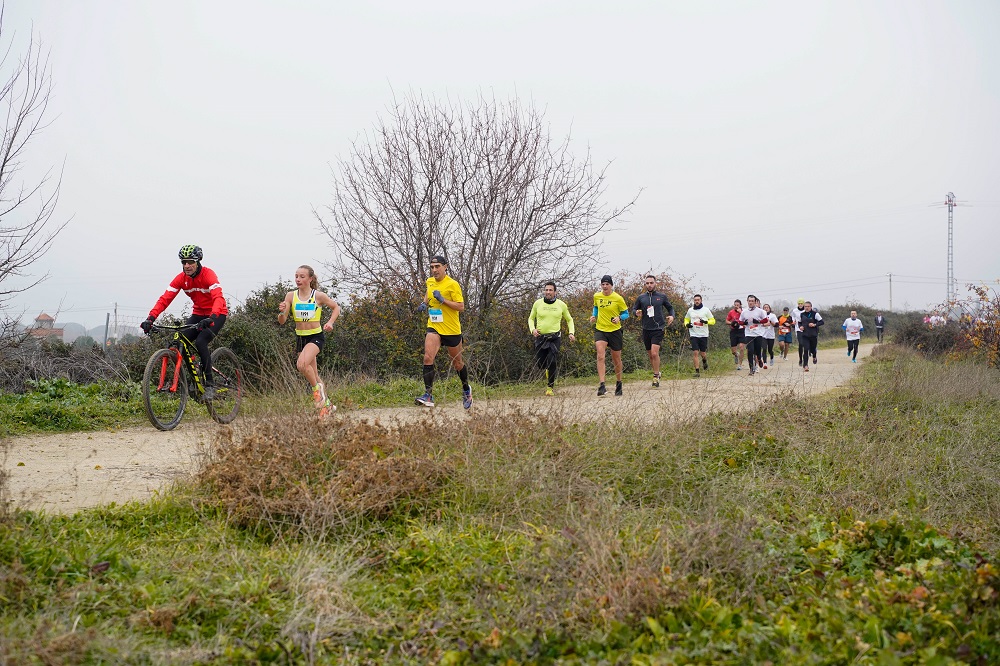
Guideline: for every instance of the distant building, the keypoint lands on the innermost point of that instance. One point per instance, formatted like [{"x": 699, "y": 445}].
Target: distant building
[{"x": 44, "y": 328}]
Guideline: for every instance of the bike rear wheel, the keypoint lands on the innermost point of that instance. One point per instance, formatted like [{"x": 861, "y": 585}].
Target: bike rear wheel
[
  {"x": 164, "y": 389},
  {"x": 227, "y": 375}
]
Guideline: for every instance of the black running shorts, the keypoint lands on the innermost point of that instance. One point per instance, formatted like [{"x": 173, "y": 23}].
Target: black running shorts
[
  {"x": 615, "y": 339},
  {"x": 735, "y": 337},
  {"x": 447, "y": 340},
  {"x": 317, "y": 339},
  {"x": 699, "y": 344},
  {"x": 652, "y": 337}
]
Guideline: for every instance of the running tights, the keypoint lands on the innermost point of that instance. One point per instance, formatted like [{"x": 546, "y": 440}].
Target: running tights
[
  {"x": 852, "y": 346},
  {"x": 755, "y": 347},
  {"x": 770, "y": 348},
  {"x": 808, "y": 348}
]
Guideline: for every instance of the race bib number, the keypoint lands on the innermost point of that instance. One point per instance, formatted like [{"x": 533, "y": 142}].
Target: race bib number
[
  {"x": 649, "y": 311},
  {"x": 437, "y": 315},
  {"x": 304, "y": 311}
]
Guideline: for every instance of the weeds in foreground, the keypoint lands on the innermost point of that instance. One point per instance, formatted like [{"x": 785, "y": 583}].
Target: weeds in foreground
[{"x": 859, "y": 526}]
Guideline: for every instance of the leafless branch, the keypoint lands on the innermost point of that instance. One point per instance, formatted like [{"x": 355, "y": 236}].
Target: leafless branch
[
  {"x": 27, "y": 228},
  {"x": 484, "y": 183}
]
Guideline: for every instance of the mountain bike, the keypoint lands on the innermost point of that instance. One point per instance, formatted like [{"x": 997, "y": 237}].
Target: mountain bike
[{"x": 174, "y": 373}]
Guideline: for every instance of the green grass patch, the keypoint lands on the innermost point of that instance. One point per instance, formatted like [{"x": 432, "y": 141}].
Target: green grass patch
[
  {"x": 58, "y": 405},
  {"x": 857, "y": 527}
]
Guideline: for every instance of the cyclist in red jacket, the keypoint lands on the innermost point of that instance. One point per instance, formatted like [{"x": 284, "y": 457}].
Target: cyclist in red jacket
[{"x": 208, "y": 311}]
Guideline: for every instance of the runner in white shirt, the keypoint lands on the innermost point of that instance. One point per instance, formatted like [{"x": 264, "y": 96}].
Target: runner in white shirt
[
  {"x": 853, "y": 327},
  {"x": 697, "y": 320},
  {"x": 767, "y": 349},
  {"x": 752, "y": 317}
]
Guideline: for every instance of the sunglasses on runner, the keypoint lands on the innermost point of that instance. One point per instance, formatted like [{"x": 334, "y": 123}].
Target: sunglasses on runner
[{"x": 188, "y": 261}]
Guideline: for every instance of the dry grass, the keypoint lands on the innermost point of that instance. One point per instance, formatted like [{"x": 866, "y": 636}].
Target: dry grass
[{"x": 301, "y": 472}]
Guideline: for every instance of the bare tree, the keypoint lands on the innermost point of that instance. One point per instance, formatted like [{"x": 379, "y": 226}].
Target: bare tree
[
  {"x": 484, "y": 183},
  {"x": 27, "y": 228}
]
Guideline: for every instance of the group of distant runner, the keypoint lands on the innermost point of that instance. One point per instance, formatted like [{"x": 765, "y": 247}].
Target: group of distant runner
[{"x": 753, "y": 330}]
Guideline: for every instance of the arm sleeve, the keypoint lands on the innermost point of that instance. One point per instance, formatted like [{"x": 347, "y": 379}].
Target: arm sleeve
[
  {"x": 623, "y": 315},
  {"x": 687, "y": 318},
  {"x": 215, "y": 291},
  {"x": 569, "y": 319},
  {"x": 711, "y": 319},
  {"x": 595, "y": 311},
  {"x": 168, "y": 297}
]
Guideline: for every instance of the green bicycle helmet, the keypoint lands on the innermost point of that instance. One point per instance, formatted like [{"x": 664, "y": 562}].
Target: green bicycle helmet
[{"x": 191, "y": 252}]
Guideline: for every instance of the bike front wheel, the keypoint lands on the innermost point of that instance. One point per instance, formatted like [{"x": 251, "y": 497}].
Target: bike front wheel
[
  {"x": 164, "y": 389},
  {"x": 227, "y": 375}
]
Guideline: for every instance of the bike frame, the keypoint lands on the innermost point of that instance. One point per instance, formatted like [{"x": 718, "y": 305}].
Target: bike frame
[{"x": 186, "y": 352}]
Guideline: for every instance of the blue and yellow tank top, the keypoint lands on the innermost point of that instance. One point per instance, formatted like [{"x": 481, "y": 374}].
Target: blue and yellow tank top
[{"x": 303, "y": 311}]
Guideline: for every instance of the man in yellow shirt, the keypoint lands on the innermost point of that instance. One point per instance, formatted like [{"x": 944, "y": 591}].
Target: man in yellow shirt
[
  {"x": 443, "y": 301},
  {"x": 609, "y": 312},
  {"x": 545, "y": 323}
]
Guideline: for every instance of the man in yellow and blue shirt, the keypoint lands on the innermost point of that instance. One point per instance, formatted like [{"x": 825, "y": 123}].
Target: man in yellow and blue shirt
[
  {"x": 609, "y": 312},
  {"x": 545, "y": 323},
  {"x": 442, "y": 302}
]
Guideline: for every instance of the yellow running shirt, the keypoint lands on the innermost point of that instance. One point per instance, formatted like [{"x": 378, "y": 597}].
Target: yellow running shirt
[
  {"x": 608, "y": 307},
  {"x": 306, "y": 311},
  {"x": 440, "y": 317}
]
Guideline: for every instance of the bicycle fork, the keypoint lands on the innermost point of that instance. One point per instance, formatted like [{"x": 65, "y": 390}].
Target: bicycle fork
[{"x": 177, "y": 373}]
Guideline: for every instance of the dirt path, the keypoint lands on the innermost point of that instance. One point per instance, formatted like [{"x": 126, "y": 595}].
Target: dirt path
[{"x": 67, "y": 472}]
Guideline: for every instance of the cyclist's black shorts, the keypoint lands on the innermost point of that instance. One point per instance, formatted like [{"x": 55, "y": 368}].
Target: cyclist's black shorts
[
  {"x": 317, "y": 339},
  {"x": 447, "y": 340}
]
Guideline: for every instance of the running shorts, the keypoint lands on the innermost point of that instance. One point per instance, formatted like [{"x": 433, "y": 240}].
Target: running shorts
[
  {"x": 317, "y": 339},
  {"x": 699, "y": 344},
  {"x": 615, "y": 339},
  {"x": 652, "y": 337},
  {"x": 735, "y": 337},
  {"x": 447, "y": 340},
  {"x": 785, "y": 337}
]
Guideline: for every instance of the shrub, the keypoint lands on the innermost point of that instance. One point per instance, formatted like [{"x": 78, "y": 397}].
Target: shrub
[{"x": 930, "y": 341}]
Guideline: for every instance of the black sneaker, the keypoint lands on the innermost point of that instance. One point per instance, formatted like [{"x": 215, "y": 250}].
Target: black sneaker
[
  {"x": 697, "y": 372},
  {"x": 704, "y": 363},
  {"x": 601, "y": 391},
  {"x": 814, "y": 360},
  {"x": 618, "y": 388}
]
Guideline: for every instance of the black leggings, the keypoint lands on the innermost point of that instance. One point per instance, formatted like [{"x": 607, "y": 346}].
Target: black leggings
[
  {"x": 548, "y": 358},
  {"x": 755, "y": 348},
  {"x": 201, "y": 340},
  {"x": 879, "y": 332},
  {"x": 852, "y": 345},
  {"x": 770, "y": 348},
  {"x": 808, "y": 349}
]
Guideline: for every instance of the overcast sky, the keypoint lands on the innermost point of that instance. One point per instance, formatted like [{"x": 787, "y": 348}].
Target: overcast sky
[{"x": 784, "y": 148}]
